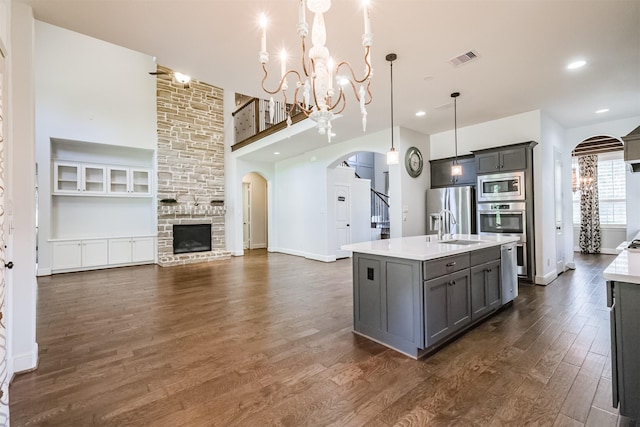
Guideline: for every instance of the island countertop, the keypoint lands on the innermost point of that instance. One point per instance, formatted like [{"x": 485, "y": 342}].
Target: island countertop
[
  {"x": 625, "y": 268},
  {"x": 421, "y": 249}
]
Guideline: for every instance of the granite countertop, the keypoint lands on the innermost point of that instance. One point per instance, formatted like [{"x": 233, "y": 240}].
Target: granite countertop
[
  {"x": 421, "y": 249},
  {"x": 625, "y": 268}
]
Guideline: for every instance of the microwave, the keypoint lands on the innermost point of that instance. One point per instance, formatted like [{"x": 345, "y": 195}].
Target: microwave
[{"x": 500, "y": 187}]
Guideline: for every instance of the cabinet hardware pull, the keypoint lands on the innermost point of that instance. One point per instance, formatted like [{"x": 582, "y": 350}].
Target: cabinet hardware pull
[
  {"x": 451, "y": 264},
  {"x": 8, "y": 265}
]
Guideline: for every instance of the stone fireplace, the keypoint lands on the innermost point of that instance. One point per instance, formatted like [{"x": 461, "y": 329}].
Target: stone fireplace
[{"x": 190, "y": 167}]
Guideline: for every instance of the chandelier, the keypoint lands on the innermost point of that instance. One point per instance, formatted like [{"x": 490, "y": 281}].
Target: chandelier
[{"x": 315, "y": 94}]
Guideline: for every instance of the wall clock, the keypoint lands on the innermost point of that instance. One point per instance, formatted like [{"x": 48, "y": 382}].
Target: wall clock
[{"x": 413, "y": 162}]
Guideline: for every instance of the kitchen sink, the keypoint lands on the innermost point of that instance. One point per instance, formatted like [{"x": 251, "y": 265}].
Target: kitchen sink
[{"x": 460, "y": 242}]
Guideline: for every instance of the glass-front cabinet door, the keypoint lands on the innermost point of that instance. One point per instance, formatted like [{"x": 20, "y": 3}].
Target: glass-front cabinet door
[
  {"x": 118, "y": 181},
  {"x": 66, "y": 178},
  {"x": 93, "y": 179},
  {"x": 140, "y": 182}
]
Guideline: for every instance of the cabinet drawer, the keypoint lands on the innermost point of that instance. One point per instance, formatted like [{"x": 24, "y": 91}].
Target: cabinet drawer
[
  {"x": 440, "y": 267},
  {"x": 484, "y": 255}
]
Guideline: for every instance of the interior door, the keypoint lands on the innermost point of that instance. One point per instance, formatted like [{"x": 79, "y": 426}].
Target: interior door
[
  {"x": 246, "y": 215},
  {"x": 558, "y": 212},
  {"x": 343, "y": 218}
]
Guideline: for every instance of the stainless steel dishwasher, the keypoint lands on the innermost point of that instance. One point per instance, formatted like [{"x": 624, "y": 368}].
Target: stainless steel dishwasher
[{"x": 509, "y": 271}]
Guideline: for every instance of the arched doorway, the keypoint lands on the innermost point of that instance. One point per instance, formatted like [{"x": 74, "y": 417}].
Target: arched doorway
[
  {"x": 254, "y": 211},
  {"x": 598, "y": 184}
]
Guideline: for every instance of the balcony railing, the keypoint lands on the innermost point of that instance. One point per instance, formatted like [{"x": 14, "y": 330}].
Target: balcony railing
[{"x": 252, "y": 120}]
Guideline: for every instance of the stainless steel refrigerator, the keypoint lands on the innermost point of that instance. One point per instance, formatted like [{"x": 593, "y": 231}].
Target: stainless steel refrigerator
[{"x": 459, "y": 200}]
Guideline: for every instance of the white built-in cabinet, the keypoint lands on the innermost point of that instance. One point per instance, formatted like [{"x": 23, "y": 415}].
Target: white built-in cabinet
[
  {"x": 78, "y": 178},
  {"x": 72, "y": 178},
  {"x": 131, "y": 250},
  {"x": 129, "y": 181},
  {"x": 77, "y": 254},
  {"x": 102, "y": 211},
  {"x": 85, "y": 254}
]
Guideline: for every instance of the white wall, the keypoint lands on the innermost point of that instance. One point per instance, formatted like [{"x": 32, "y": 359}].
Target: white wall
[
  {"x": 258, "y": 203},
  {"x": 98, "y": 93},
  {"x": 414, "y": 190},
  {"x": 551, "y": 138},
  {"x": 508, "y": 130},
  {"x": 298, "y": 217},
  {"x": 617, "y": 128}
]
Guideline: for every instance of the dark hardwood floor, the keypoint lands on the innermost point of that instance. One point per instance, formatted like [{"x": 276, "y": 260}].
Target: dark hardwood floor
[{"x": 266, "y": 339}]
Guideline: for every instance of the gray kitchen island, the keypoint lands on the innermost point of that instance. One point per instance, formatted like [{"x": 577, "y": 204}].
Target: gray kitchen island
[
  {"x": 414, "y": 294},
  {"x": 623, "y": 299}
]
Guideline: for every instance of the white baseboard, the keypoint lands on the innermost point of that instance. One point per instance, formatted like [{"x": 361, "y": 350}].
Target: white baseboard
[
  {"x": 43, "y": 272},
  {"x": 26, "y": 361},
  {"x": 237, "y": 253},
  {"x": 547, "y": 278},
  {"x": 315, "y": 257}
]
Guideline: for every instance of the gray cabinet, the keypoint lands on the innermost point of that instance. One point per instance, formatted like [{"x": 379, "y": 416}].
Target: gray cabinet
[
  {"x": 447, "y": 298},
  {"x": 501, "y": 160},
  {"x": 441, "y": 172},
  {"x": 387, "y": 301},
  {"x": 624, "y": 300},
  {"x": 485, "y": 289},
  {"x": 414, "y": 306}
]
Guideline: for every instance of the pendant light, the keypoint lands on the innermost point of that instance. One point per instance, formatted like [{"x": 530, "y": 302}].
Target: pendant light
[
  {"x": 393, "y": 157},
  {"x": 456, "y": 169}
]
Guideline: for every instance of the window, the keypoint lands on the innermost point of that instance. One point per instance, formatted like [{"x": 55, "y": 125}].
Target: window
[{"x": 611, "y": 189}]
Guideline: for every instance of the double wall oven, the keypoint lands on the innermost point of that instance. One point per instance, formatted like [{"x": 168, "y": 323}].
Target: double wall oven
[{"x": 502, "y": 210}]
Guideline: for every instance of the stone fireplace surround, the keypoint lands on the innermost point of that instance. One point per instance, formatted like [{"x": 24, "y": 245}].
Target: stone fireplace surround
[{"x": 190, "y": 165}]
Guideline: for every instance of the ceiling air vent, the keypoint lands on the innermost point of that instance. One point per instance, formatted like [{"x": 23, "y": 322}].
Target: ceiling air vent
[{"x": 464, "y": 58}]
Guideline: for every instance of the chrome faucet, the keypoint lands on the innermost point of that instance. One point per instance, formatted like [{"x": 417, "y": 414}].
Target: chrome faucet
[{"x": 442, "y": 223}]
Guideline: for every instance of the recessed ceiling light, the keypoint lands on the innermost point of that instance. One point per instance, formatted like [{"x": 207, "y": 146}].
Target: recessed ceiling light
[
  {"x": 602, "y": 110},
  {"x": 576, "y": 64},
  {"x": 276, "y": 153},
  {"x": 421, "y": 113}
]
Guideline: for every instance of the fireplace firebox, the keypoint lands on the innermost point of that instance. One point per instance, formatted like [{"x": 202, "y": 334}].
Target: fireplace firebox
[{"x": 191, "y": 238}]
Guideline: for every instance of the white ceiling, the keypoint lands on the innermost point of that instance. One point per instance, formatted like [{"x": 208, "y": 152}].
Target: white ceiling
[{"x": 524, "y": 46}]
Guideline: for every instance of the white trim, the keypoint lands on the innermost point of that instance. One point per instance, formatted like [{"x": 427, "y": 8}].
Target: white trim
[
  {"x": 237, "y": 253},
  {"x": 43, "y": 272},
  {"x": 315, "y": 257},
  {"x": 547, "y": 278},
  {"x": 26, "y": 361},
  {"x": 258, "y": 246}
]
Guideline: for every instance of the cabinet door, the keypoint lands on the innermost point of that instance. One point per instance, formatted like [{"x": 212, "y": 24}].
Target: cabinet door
[
  {"x": 513, "y": 159},
  {"x": 459, "y": 300},
  {"x": 94, "y": 253},
  {"x": 66, "y": 178},
  {"x": 142, "y": 249},
  {"x": 469, "y": 175},
  {"x": 494, "y": 286},
  {"x": 120, "y": 251},
  {"x": 488, "y": 162},
  {"x": 436, "y": 309},
  {"x": 479, "y": 305},
  {"x": 441, "y": 173},
  {"x": 140, "y": 181},
  {"x": 118, "y": 181},
  {"x": 93, "y": 179},
  {"x": 66, "y": 255},
  {"x": 485, "y": 289}
]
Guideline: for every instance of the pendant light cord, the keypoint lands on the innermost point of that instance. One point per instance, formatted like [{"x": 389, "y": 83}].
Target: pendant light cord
[
  {"x": 455, "y": 126},
  {"x": 391, "y": 66}
]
